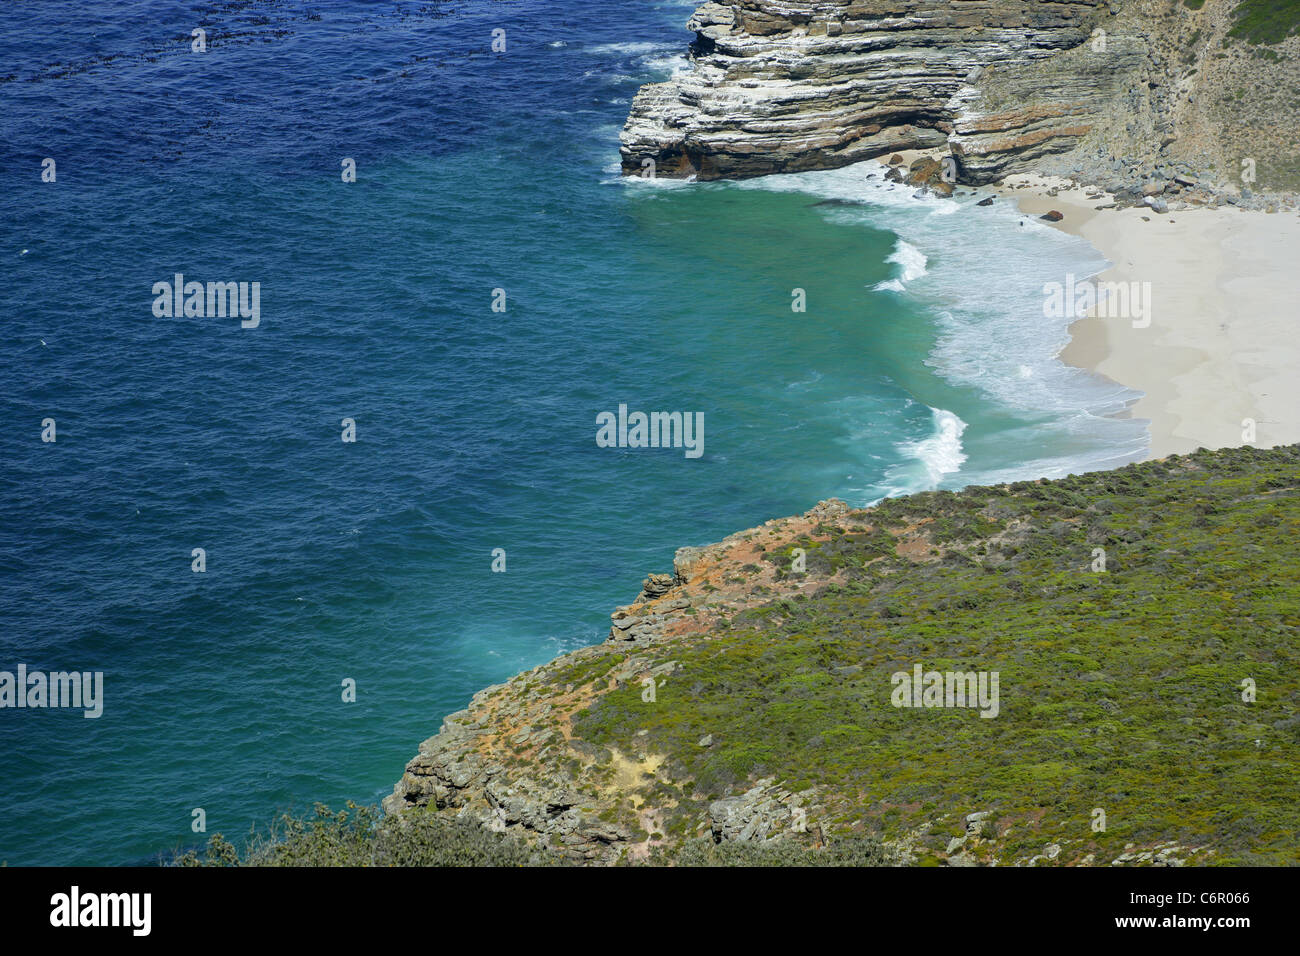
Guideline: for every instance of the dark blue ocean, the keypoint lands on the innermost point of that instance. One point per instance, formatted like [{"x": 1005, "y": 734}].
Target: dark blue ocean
[{"x": 922, "y": 360}]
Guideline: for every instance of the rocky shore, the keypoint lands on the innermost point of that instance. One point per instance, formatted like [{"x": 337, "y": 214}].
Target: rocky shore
[
  {"x": 509, "y": 761},
  {"x": 738, "y": 699},
  {"x": 1121, "y": 94},
  {"x": 744, "y": 699}
]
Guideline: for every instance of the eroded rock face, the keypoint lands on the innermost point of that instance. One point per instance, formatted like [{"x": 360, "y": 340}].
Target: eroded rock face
[
  {"x": 536, "y": 758},
  {"x": 764, "y": 812},
  {"x": 509, "y": 760},
  {"x": 786, "y": 86}
]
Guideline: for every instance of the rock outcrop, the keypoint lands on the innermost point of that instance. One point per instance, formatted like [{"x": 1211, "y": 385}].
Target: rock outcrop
[
  {"x": 508, "y": 760},
  {"x": 794, "y": 85},
  {"x": 750, "y": 706},
  {"x": 781, "y": 86}
]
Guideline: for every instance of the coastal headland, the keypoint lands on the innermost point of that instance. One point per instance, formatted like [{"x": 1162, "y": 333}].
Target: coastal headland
[{"x": 743, "y": 704}]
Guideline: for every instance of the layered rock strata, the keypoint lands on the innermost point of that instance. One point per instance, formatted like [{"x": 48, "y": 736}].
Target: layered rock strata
[
  {"x": 1109, "y": 91},
  {"x": 781, "y": 86}
]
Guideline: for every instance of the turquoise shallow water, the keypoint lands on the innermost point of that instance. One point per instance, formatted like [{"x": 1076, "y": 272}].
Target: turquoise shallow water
[{"x": 922, "y": 360}]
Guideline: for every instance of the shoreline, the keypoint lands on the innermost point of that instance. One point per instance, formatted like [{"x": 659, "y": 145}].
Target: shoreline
[{"x": 1221, "y": 345}]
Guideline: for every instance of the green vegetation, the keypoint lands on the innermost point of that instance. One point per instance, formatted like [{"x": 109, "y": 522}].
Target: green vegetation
[
  {"x": 1265, "y": 21},
  {"x": 357, "y": 836},
  {"x": 1144, "y": 624},
  {"x": 1120, "y": 690},
  {"x": 1281, "y": 173},
  {"x": 848, "y": 851}
]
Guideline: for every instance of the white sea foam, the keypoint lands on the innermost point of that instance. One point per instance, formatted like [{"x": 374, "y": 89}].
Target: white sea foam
[
  {"x": 612, "y": 77},
  {"x": 910, "y": 260},
  {"x": 627, "y": 49},
  {"x": 941, "y": 453},
  {"x": 804, "y": 383},
  {"x": 642, "y": 182},
  {"x": 659, "y": 60},
  {"x": 992, "y": 336},
  {"x": 671, "y": 66},
  {"x": 926, "y": 462}
]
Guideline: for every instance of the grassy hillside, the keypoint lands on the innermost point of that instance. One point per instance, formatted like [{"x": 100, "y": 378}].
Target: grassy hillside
[
  {"x": 1266, "y": 21},
  {"x": 1121, "y": 691}
]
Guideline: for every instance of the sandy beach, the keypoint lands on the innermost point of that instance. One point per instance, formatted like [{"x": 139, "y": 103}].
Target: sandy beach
[{"x": 1220, "y": 344}]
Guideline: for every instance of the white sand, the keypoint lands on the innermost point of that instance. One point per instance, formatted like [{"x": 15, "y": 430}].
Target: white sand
[{"x": 1223, "y": 344}]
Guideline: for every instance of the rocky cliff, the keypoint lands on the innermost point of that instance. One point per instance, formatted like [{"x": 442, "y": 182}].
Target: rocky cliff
[
  {"x": 511, "y": 759},
  {"x": 746, "y": 699},
  {"x": 1122, "y": 86}
]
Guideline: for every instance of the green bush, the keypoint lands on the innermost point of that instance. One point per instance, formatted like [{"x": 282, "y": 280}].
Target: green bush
[
  {"x": 358, "y": 836},
  {"x": 1265, "y": 21},
  {"x": 853, "y": 850}
]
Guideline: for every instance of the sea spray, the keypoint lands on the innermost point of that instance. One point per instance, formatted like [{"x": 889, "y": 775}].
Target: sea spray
[
  {"x": 928, "y": 461},
  {"x": 912, "y": 263},
  {"x": 986, "y": 271}
]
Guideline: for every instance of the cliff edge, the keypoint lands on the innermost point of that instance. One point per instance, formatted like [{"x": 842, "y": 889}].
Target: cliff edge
[
  {"x": 1111, "y": 90},
  {"x": 1129, "y": 642}
]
